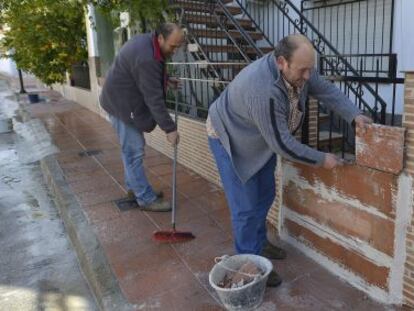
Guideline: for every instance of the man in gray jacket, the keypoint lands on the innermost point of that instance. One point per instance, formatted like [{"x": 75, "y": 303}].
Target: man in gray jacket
[
  {"x": 134, "y": 97},
  {"x": 255, "y": 119}
]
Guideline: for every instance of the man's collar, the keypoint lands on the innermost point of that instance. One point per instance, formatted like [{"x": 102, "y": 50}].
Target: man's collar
[{"x": 157, "y": 50}]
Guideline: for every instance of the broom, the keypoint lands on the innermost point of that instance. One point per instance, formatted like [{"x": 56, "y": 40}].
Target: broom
[{"x": 173, "y": 236}]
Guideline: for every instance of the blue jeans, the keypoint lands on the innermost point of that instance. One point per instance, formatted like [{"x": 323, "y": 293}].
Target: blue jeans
[
  {"x": 132, "y": 148},
  {"x": 249, "y": 203}
]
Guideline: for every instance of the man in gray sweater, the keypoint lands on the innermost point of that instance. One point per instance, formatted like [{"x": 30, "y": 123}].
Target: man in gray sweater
[
  {"x": 134, "y": 97},
  {"x": 253, "y": 122}
]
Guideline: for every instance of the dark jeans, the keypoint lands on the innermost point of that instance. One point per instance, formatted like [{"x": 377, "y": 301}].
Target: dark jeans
[{"x": 249, "y": 203}]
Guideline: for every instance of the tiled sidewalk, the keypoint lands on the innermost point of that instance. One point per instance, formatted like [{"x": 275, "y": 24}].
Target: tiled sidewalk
[{"x": 162, "y": 276}]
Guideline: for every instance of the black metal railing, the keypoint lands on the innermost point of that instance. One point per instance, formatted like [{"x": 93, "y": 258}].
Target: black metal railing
[
  {"x": 197, "y": 92},
  {"x": 289, "y": 20},
  {"x": 355, "y": 27},
  {"x": 224, "y": 37},
  {"x": 217, "y": 38},
  {"x": 79, "y": 76}
]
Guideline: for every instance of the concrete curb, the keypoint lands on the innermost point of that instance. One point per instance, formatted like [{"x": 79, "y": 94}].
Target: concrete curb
[{"x": 90, "y": 254}]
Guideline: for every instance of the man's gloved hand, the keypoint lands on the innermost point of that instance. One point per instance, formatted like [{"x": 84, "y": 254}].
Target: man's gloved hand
[
  {"x": 173, "y": 138},
  {"x": 362, "y": 122},
  {"x": 331, "y": 161}
]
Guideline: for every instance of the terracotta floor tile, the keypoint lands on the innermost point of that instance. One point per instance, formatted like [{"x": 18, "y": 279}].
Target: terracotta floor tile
[
  {"x": 83, "y": 165},
  {"x": 199, "y": 254},
  {"x": 181, "y": 199},
  {"x": 212, "y": 201},
  {"x": 101, "y": 212},
  {"x": 198, "y": 188},
  {"x": 157, "y": 160},
  {"x": 71, "y": 175},
  {"x": 223, "y": 219},
  {"x": 99, "y": 145},
  {"x": 164, "y": 169},
  {"x": 185, "y": 212},
  {"x": 124, "y": 229},
  {"x": 150, "y": 152},
  {"x": 92, "y": 176},
  {"x": 103, "y": 195},
  {"x": 148, "y": 282},
  {"x": 188, "y": 296},
  {"x": 183, "y": 177}
]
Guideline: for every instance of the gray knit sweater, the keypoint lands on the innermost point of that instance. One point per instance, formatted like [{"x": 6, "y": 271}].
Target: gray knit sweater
[{"x": 251, "y": 116}]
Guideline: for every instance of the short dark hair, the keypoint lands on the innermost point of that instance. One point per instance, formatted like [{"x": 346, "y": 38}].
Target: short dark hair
[
  {"x": 166, "y": 29},
  {"x": 288, "y": 45}
]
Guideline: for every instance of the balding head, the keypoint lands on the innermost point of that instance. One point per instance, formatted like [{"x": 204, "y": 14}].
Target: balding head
[
  {"x": 170, "y": 38},
  {"x": 295, "y": 57},
  {"x": 288, "y": 45}
]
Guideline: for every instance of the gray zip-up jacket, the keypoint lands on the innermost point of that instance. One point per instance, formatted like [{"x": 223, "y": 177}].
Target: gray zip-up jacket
[
  {"x": 134, "y": 89},
  {"x": 251, "y": 116}
]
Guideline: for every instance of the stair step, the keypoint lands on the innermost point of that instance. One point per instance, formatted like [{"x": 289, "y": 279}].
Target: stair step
[
  {"x": 220, "y": 34},
  {"x": 324, "y": 135},
  {"x": 232, "y": 49},
  {"x": 335, "y": 141},
  {"x": 211, "y": 21},
  {"x": 323, "y": 117},
  {"x": 195, "y": 6}
]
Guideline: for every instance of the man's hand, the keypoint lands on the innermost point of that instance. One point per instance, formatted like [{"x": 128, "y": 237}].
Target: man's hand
[
  {"x": 362, "y": 122},
  {"x": 173, "y": 138},
  {"x": 174, "y": 83},
  {"x": 331, "y": 161}
]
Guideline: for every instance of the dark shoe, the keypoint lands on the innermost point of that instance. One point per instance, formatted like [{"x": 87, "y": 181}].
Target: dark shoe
[
  {"x": 159, "y": 205},
  {"x": 272, "y": 252},
  {"x": 273, "y": 279},
  {"x": 131, "y": 194}
]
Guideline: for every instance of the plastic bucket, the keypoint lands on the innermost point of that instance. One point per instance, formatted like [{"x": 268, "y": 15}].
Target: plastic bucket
[
  {"x": 33, "y": 98},
  {"x": 246, "y": 297}
]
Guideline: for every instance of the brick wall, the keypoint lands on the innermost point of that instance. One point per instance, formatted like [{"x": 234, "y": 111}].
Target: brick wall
[
  {"x": 408, "y": 123},
  {"x": 353, "y": 219},
  {"x": 313, "y": 123}
]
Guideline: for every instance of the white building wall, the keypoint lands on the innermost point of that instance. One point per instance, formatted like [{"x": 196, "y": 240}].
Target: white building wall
[{"x": 347, "y": 40}]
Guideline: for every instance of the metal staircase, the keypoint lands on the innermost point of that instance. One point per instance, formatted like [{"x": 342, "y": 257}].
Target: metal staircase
[{"x": 226, "y": 32}]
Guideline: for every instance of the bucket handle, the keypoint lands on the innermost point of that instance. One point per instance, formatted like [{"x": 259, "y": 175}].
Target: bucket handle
[{"x": 220, "y": 258}]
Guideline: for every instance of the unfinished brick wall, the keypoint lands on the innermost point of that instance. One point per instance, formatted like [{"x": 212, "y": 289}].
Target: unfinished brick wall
[
  {"x": 353, "y": 219},
  {"x": 408, "y": 123}
]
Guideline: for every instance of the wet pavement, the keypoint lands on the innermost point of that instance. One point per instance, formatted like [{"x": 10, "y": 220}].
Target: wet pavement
[
  {"x": 156, "y": 276},
  {"x": 38, "y": 267}
]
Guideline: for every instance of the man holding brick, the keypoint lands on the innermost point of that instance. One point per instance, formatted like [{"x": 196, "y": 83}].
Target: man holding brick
[{"x": 253, "y": 122}]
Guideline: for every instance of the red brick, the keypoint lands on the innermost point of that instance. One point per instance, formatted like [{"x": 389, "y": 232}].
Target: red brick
[
  {"x": 359, "y": 265},
  {"x": 342, "y": 218},
  {"x": 381, "y": 147},
  {"x": 370, "y": 187}
]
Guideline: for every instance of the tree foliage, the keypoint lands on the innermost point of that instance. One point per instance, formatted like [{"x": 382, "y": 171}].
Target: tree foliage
[
  {"x": 46, "y": 37},
  {"x": 148, "y": 12}
]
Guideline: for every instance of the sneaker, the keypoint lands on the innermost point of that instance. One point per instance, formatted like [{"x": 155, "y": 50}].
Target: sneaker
[
  {"x": 159, "y": 205},
  {"x": 273, "y": 279},
  {"x": 131, "y": 194},
  {"x": 273, "y": 252}
]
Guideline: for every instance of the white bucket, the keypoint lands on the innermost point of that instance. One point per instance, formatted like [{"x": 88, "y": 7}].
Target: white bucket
[{"x": 246, "y": 297}]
